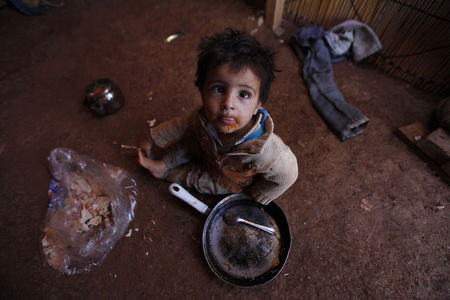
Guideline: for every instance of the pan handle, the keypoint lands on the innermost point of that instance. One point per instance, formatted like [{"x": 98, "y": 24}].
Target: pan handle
[{"x": 179, "y": 192}]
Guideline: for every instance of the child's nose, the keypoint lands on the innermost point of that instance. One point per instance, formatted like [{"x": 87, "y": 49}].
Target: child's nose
[{"x": 227, "y": 101}]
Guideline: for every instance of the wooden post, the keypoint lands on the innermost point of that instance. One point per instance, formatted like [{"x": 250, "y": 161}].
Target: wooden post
[{"x": 274, "y": 13}]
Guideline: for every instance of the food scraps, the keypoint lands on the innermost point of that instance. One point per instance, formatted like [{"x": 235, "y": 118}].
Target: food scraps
[
  {"x": 90, "y": 206},
  {"x": 86, "y": 210}
]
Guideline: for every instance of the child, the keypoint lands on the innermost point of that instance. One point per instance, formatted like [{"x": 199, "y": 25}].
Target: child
[{"x": 227, "y": 145}]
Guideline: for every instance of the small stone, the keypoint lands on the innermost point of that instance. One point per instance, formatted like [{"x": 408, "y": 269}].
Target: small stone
[
  {"x": 129, "y": 233},
  {"x": 366, "y": 205},
  {"x": 260, "y": 21}
]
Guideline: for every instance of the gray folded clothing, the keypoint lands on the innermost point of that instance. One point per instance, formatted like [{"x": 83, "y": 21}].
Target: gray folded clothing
[{"x": 352, "y": 36}]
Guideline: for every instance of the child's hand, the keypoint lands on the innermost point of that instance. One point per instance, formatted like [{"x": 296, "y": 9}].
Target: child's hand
[
  {"x": 146, "y": 147},
  {"x": 157, "y": 167}
]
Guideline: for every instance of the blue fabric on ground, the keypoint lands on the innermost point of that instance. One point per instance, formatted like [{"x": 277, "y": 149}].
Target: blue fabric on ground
[
  {"x": 344, "y": 120},
  {"x": 30, "y": 11}
]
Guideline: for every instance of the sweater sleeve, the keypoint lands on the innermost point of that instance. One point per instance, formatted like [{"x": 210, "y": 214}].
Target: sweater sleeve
[
  {"x": 175, "y": 136},
  {"x": 277, "y": 169},
  {"x": 170, "y": 132}
]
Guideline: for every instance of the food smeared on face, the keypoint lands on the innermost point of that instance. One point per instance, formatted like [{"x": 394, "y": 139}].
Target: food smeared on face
[
  {"x": 230, "y": 97},
  {"x": 232, "y": 127}
]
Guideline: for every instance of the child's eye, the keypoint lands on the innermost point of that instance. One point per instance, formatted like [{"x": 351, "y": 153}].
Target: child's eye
[
  {"x": 218, "y": 89},
  {"x": 244, "y": 94}
]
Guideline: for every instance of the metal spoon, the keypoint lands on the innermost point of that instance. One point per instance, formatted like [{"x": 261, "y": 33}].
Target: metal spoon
[{"x": 232, "y": 219}]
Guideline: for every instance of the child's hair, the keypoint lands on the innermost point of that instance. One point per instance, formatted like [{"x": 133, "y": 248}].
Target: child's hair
[{"x": 240, "y": 50}]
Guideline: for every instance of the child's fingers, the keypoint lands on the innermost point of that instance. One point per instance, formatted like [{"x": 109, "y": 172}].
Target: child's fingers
[
  {"x": 140, "y": 156},
  {"x": 145, "y": 148},
  {"x": 143, "y": 160}
]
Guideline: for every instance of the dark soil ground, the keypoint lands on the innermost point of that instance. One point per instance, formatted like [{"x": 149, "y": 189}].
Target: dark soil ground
[{"x": 369, "y": 219}]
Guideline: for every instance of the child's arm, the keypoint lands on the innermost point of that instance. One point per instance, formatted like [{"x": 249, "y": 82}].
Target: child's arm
[
  {"x": 277, "y": 173},
  {"x": 170, "y": 132},
  {"x": 167, "y": 146}
]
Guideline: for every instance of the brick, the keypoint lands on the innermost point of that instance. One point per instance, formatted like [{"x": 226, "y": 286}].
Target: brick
[
  {"x": 412, "y": 133},
  {"x": 437, "y": 146},
  {"x": 446, "y": 168}
]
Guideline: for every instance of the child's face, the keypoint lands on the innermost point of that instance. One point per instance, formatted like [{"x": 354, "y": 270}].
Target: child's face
[{"x": 230, "y": 99}]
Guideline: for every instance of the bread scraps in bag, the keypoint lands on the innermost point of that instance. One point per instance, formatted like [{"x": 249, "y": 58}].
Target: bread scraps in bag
[{"x": 90, "y": 207}]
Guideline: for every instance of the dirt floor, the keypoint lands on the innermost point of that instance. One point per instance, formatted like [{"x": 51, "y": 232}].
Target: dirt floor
[{"x": 368, "y": 218}]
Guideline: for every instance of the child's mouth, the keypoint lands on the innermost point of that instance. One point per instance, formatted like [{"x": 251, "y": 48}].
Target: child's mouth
[{"x": 228, "y": 120}]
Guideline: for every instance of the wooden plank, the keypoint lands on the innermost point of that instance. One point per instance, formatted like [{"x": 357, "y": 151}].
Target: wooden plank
[
  {"x": 412, "y": 135},
  {"x": 274, "y": 13},
  {"x": 437, "y": 146}
]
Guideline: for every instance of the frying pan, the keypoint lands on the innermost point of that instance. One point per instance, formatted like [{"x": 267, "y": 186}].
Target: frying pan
[{"x": 240, "y": 254}]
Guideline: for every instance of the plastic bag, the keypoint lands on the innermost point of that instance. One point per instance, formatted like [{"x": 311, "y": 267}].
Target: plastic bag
[{"x": 90, "y": 206}]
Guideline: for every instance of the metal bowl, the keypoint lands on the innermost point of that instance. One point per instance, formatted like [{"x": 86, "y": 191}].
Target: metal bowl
[{"x": 104, "y": 97}]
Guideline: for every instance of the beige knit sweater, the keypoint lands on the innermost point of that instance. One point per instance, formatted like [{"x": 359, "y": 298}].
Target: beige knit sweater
[{"x": 263, "y": 167}]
